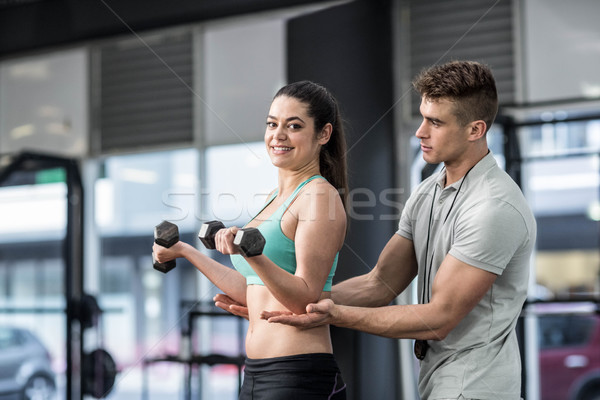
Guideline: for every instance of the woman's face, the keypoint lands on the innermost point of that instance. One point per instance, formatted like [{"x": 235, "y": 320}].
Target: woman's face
[{"x": 290, "y": 136}]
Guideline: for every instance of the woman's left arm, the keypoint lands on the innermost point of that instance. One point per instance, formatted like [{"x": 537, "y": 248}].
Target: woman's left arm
[{"x": 320, "y": 233}]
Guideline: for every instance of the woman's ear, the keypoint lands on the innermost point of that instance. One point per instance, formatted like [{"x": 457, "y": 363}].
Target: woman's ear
[{"x": 325, "y": 134}]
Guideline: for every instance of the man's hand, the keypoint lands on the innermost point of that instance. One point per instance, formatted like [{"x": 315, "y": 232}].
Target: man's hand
[
  {"x": 228, "y": 304},
  {"x": 316, "y": 315}
]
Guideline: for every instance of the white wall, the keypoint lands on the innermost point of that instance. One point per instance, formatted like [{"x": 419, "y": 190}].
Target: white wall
[
  {"x": 561, "y": 49},
  {"x": 43, "y": 104}
]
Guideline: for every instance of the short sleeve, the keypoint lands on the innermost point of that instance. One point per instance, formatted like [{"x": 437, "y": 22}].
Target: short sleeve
[
  {"x": 488, "y": 235},
  {"x": 405, "y": 226}
]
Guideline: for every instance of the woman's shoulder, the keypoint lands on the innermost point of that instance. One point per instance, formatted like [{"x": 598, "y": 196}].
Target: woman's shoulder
[
  {"x": 320, "y": 196},
  {"x": 319, "y": 186}
]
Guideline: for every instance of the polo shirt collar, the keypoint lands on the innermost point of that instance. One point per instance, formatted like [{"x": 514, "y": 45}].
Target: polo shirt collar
[{"x": 478, "y": 170}]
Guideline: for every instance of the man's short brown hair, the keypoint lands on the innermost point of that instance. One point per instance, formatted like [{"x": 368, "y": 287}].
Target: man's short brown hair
[{"x": 468, "y": 84}]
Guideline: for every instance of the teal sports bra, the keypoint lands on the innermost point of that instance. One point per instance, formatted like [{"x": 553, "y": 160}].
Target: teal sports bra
[{"x": 278, "y": 248}]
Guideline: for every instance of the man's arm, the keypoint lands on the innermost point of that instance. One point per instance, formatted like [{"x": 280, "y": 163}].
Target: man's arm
[
  {"x": 457, "y": 288},
  {"x": 395, "y": 269}
]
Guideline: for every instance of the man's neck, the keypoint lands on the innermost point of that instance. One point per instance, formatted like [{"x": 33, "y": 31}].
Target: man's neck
[{"x": 454, "y": 172}]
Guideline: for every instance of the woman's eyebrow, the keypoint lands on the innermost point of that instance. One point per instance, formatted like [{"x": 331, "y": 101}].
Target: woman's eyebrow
[{"x": 288, "y": 119}]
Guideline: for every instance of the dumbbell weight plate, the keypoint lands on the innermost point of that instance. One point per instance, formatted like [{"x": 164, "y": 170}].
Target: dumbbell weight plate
[
  {"x": 207, "y": 233},
  {"x": 163, "y": 267},
  {"x": 166, "y": 234},
  {"x": 250, "y": 242}
]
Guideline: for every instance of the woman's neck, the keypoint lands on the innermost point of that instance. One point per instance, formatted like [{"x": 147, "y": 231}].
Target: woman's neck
[{"x": 288, "y": 181}]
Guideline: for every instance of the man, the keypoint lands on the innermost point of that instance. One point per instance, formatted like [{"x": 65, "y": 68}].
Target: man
[{"x": 467, "y": 233}]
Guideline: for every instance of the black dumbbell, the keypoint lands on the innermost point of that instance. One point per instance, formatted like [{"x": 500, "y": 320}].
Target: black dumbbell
[
  {"x": 166, "y": 234},
  {"x": 249, "y": 241},
  {"x": 207, "y": 233}
]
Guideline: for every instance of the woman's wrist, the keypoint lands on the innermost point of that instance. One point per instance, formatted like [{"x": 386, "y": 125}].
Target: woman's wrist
[{"x": 185, "y": 250}]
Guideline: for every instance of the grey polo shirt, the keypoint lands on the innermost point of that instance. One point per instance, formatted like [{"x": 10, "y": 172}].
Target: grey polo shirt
[{"x": 488, "y": 225}]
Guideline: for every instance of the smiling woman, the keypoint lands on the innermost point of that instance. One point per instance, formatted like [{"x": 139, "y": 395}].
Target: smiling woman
[{"x": 304, "y": 224}]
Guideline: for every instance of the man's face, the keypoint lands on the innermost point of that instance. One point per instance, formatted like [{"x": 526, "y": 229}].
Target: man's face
[{"x": 442, "y": 138}]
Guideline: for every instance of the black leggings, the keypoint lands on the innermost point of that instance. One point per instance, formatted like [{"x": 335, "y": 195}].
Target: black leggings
[{"x": 303, "y": 377}]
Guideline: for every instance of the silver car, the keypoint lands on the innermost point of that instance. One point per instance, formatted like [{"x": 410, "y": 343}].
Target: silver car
[{"x": 25, "y": 369}]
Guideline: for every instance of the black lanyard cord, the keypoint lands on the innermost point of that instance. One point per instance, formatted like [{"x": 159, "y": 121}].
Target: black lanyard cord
[{"x": 427, "y": 277}]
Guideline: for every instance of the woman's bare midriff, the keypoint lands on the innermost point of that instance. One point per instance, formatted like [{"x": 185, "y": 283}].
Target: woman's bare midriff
[{"x": 266, "y": 340}]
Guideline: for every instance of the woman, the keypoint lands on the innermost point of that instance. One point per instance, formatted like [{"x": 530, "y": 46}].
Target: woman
[{"x": 304, "y": 224}]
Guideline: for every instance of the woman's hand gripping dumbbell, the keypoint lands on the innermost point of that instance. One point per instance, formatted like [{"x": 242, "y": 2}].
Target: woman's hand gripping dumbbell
[
  {"x": 248, "y": 241},
  {"x": 166, "y": 235}
]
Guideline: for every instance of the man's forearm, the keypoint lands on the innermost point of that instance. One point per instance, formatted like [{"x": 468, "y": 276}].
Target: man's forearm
[
  {"x": 398, "y": 321},
  {"x": 362, "y": 291},
  {"x": 395, "y": 269}
]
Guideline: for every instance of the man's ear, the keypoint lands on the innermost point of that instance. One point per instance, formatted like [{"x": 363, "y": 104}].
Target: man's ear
[
  {"x": 325, "y": 134},
  {"x": 478, "y": 129}
]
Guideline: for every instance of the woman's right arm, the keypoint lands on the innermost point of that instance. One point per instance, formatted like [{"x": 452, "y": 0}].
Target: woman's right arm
[{"x": 227, "y": 279}]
